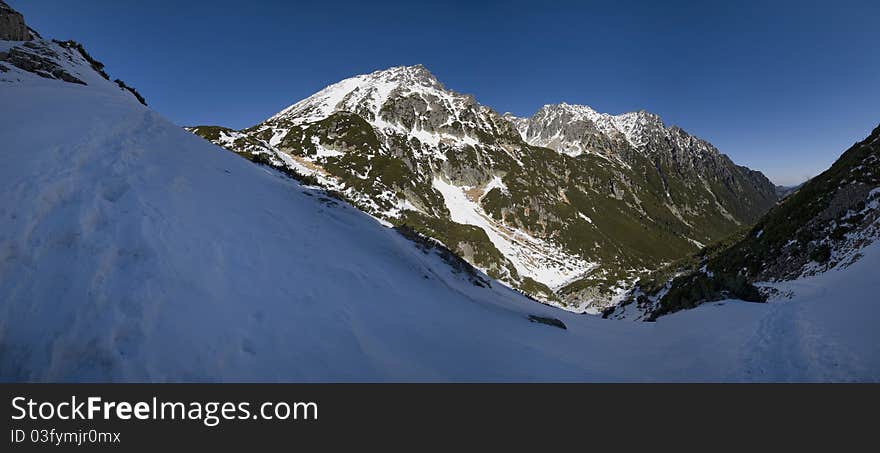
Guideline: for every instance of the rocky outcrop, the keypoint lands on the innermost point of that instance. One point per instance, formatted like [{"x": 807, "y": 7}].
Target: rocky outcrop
[
  {"x": 95, "y": 64},
  {"x": 35, "y": 55},
  {"x": 40, "y": 59},
  {"x": 131, "y": 90},
  {"x": 12, "y": 26}
]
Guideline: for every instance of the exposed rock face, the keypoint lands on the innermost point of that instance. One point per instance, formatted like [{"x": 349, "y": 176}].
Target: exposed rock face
[
  {"x": 39, "y": 58},
  {"x": 678, "y": 158},
  {"x": 12, "y": 26}
]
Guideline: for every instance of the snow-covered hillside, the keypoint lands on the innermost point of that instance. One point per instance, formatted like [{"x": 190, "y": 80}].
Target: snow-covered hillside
[{"x": 131, "y": 250}]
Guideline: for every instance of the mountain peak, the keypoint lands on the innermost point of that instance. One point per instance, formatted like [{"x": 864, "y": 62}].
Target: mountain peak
[
  {"x": 565, "y": 106},
  {"x": 367, "y": 94},
  {"x": 643, "y": 116},
  {"x": 417, "y": 74},
  {"x": 416, "y": 69},
  {"x": 564, "y": 126},
  {"x": 591, "y": 113}
]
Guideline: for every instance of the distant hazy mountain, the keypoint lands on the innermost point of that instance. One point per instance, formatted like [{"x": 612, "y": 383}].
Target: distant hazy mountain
[{"x": 784, "y": 191}]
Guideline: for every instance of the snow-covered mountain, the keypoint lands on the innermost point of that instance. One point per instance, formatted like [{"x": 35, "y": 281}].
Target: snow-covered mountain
[
  {"x": 572, "y": 226},
  {"x": 578, "y": 129},
  {"x": 131, "y": 250}
]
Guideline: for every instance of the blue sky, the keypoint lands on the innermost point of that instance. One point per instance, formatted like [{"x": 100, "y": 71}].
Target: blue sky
[{"x": 782, "y": 87}]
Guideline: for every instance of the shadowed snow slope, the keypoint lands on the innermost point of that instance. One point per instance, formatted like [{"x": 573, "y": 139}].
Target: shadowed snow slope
[{"x": 131, "y": 250}]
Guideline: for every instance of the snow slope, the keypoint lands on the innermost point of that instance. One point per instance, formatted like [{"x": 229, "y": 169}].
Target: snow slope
[
  {"x": 531, "y": 256},
  {"x": 131, "y": 250}
]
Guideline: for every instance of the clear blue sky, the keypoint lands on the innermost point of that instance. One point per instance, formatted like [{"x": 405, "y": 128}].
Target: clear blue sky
[{"x": 782, "y": 87}]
